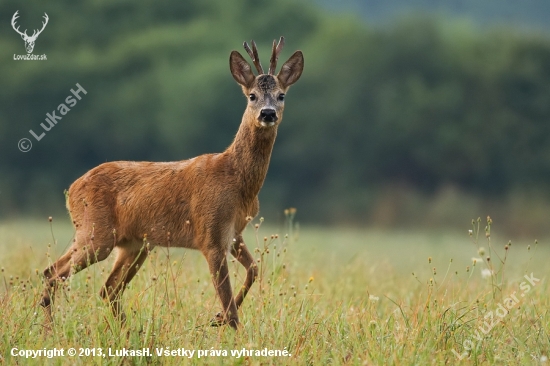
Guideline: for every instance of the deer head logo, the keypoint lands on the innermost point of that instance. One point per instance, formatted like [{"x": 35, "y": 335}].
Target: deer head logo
[{"x": 29, "y": 41}]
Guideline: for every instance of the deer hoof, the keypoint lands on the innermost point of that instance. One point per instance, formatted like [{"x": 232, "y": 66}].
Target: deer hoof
[{"x": 219, "y": 320}]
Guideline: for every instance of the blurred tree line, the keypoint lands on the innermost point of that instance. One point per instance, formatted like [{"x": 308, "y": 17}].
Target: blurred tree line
[
  {"x": 417, "y": 106},
  {"x": 529, "y": 14}
]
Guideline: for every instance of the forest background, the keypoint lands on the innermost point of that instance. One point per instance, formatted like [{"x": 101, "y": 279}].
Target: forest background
[{"x": 403, "y": 117}]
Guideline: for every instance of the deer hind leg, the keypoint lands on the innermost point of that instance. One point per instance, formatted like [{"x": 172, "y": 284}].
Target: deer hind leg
[
  {"x": 83, "y": 253},
  {"x": 242, "y": 254},
  {"x": 128, "y": 261},
  {"x": 217, "y": 263}
]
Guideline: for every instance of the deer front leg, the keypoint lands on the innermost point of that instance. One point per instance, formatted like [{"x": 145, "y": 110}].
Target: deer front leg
[
  {"x": 242, "y": 254},
  {"x": 217, "y": 262}
]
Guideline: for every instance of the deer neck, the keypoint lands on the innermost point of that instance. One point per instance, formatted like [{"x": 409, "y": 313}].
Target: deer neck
[{"x": 251, "y": 153}]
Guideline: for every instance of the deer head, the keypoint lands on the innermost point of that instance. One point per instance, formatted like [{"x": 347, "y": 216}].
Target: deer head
[
  {"x": 29, "y": 40},
  {"x": 266, "y": 92}
]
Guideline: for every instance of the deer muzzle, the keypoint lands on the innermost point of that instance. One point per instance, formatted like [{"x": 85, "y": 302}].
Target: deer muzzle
[{"x": 268, "y": 116}]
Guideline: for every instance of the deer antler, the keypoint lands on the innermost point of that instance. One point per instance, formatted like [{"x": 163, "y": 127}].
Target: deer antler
[
  {"x": 13, "y": 19},
  {"x": 36, "y": 32},
  {"x": 254, "y": 56},
  {"x": 43, "y": 26},
  {"x": 276, "y": 50}
]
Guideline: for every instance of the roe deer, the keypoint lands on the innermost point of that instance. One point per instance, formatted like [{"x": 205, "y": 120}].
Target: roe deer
[{"x": 203, "y": 203}]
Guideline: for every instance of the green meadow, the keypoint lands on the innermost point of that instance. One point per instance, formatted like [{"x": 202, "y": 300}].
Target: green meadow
[{"x": 324, "y": 296}]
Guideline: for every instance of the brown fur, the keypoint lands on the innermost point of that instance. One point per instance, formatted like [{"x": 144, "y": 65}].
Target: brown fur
[{"x": 201, "y": 203}]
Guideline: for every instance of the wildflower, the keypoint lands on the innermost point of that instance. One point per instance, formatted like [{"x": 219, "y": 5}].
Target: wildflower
[
  {"x": 470, "y": 232},
  {"x": 373, "y": 298},
  {"x": 311, "y": 279},
  {"x": 486, "y": 273},
  {"x": 481, "y": 251},
  {"x": 429, "y": 259},
  {"x": 476, "y": 260}
]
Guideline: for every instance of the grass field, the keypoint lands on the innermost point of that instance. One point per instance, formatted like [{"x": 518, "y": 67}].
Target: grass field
[{"x": 324, "y": 296}]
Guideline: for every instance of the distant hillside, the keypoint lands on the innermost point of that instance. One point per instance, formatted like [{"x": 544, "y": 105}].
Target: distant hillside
[{"x": 525, "y": 14}]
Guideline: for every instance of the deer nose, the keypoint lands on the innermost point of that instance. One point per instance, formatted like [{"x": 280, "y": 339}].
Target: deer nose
[{"x": 268, "y": 115}]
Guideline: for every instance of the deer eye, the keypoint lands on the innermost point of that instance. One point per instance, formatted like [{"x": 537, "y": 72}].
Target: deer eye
[
  {"x": 252, "y": 97},
  {"x": 281, "y": 97}
]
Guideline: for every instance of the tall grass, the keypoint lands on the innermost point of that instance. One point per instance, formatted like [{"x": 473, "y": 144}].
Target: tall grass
[{"x": 326, "y": 296}]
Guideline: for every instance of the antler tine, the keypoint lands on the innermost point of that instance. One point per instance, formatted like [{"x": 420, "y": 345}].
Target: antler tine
[
  {"x": 276, "y": 50},
  {"x": 13, "y": 21},
  {"x": 254, "y": 56},
  {"x": 46, "y": 18}
]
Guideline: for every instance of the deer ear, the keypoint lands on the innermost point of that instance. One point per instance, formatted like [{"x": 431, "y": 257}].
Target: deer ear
[
  {"x": 240, "y": 69},
  {"x": 291, "y": 70}
]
